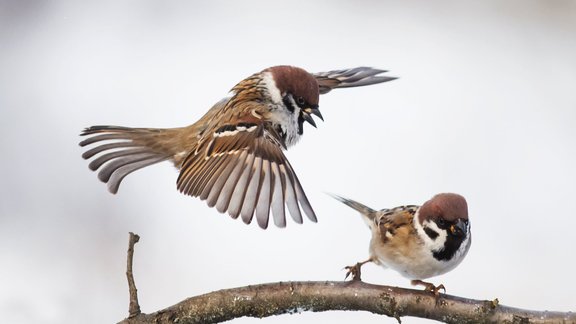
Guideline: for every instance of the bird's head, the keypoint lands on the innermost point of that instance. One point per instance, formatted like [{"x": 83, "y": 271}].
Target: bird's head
[
  {"x": 294, "y": 90},
  {"x": 444, "y": 221}
]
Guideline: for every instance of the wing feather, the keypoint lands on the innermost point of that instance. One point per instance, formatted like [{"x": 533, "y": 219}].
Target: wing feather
[
  {"x": 252, "y": 192},
  {"x": 211, "y": 189},
  {"x": 240, "y": 169},
  {"x": 300, "y": 195},
  {"x": 237, "y": 198},
  {"x": 207, "y": 166},
  {"x": 348, "y": 78},
  {"x": 278, "y": 203},
  {"x": 290, "y": 195},
  {"x": 226, "y": 193},
  {"x": 263, "y": 205}
]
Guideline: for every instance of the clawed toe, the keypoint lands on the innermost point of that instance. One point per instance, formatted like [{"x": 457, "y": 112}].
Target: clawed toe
[
  {"x": 355, "y": 271},
  {"x": 436, "y": 289},
  {"x": 430, "y": 287}
]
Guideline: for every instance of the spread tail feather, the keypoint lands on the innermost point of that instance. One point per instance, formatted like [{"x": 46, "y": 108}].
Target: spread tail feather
[
  {"x": 124, "y": 150},
  {"x": 367, "y": 213}
]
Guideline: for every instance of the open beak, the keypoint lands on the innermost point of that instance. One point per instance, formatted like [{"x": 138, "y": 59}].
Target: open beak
[
  {"x": 459, "y": 229},
  {"x": 307, "y": 112}
]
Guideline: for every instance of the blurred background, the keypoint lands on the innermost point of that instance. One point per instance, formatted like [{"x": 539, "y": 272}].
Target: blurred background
[{"x": 485, "y": 106}]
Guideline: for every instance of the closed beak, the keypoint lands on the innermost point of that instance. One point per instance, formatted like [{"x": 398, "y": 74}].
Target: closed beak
[{"x": 459, "y": 229}]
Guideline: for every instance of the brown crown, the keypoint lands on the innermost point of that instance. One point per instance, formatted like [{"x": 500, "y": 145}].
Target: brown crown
[
  {"x": 449, "y": 206},
  {"x": 296, "y": 81}
]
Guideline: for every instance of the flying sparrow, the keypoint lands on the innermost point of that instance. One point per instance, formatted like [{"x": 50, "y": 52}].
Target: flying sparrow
[
  {"x": 417, "y": 241},
  {"x": 233, "y": 156}
]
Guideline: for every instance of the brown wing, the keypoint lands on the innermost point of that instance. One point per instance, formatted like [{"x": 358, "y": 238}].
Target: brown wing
[
  {"x": 240, "y": 168},
  {"x": 348, "y": 78},
  {"x": 392, "y": 221}
]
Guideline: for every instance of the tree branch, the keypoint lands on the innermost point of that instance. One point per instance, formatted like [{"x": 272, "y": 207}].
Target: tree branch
[
  {"x": 296, "y": 297},
  {"x": 134, "y": 307}
]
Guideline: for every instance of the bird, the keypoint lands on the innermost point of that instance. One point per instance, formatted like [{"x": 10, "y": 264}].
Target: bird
[
  {"x": 419, "y": 242},
  {"x": 232, "y": 157}
]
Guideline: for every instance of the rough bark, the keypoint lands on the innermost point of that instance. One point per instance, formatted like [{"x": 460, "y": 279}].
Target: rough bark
[{"x": 296, "y": 297}]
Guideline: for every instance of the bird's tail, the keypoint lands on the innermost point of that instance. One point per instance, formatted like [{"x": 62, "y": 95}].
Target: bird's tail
[
  {"x": 125, "y": 150},
  {"x": 367, "y": 213}
]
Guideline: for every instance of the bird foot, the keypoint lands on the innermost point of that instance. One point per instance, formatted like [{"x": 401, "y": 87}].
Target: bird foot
[
  {"x": 429, "y": 287},
  {"x": 355, "y": 271}
]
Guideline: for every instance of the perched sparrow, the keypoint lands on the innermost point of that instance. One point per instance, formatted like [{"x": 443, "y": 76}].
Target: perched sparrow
[
  {"x": 418, "y": 241},
  {"x": 232, "y": 157}
]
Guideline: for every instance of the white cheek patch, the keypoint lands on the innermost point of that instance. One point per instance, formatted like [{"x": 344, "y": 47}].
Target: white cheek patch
[
  {"x": 279, "y": 114},
  {"x": 273, "y": 91},
  {"x": 436, "y": 244},
  {"x": 287, "y": 120}
]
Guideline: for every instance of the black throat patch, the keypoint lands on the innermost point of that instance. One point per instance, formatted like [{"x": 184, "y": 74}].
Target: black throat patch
[{"x": 451, "y": 245}]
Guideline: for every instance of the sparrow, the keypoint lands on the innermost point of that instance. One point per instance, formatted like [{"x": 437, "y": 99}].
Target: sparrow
[
  {"x": 233, "y": 156},
  {"x": 417, "y": 241}
]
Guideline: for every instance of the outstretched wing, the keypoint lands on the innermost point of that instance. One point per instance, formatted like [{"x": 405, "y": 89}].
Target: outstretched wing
[
  {"x": 348, "y": 78},
  {"x": 240, "y": 168}
]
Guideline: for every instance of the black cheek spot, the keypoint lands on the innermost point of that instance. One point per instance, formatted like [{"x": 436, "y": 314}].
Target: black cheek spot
[
  {"x": 431, "y": 233},
  {"x": 288, "y": 103}
]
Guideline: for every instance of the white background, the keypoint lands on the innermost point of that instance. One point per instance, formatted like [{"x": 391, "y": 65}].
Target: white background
[{"x": 485, "y": 106}]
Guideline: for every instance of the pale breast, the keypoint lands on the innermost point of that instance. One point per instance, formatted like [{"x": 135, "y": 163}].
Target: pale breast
[
  {"x": 396, "y": 245},
  {"x": 287, "y": 122}
]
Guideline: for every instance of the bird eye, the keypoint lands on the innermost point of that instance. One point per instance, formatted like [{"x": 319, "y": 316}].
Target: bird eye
[
  {"x": 441, "y": 223},
  {"x": 300, "y": 101}
]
